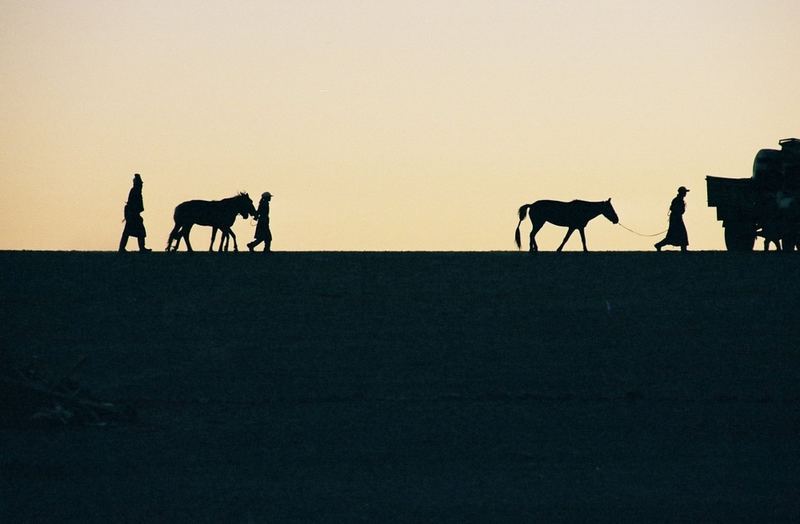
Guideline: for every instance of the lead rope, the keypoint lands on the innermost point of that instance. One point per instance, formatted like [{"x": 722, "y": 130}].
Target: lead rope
[{"x": 641, "y": 234}]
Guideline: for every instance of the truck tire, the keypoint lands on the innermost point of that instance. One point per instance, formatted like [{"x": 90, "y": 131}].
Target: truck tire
[{"x": 740, "y": 236}]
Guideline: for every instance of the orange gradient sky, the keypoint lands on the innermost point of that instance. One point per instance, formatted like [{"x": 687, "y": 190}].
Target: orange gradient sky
[{"x": 385, "y": 125}]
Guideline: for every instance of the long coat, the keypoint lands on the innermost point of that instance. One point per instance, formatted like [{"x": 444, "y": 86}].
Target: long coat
[
  {"x": 262, "y": 216},
  {"x": 134, "y": 224},
  {"x": 676, "y": 234}
]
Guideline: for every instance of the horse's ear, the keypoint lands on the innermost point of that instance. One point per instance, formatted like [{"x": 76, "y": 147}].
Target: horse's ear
[{"x": 609, "y": 200}]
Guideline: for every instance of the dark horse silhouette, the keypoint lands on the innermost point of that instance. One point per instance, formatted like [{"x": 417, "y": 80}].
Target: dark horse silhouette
[
  {"x": 573, "y": 215},
  {"x": 219, "y": 214}
]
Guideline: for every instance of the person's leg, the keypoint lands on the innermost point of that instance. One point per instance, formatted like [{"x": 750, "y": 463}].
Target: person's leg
[
  {"x": 268, "y": 243},
  {"x": 123, "y": 242},
  {"x": 142, "y": 247}
]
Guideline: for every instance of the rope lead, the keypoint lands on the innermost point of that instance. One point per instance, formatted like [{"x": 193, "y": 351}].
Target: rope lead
[{"x": 641, "y": 234}]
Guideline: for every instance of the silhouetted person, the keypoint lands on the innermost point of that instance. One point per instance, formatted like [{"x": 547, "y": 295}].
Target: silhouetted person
[
  {"x": 676, "y": 234},
  {"x": 134, "y": 224},
  {"x": 263, "y": 233}
]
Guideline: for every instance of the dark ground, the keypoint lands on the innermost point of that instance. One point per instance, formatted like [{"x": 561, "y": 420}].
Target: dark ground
[{"x": 637, "y": 387}]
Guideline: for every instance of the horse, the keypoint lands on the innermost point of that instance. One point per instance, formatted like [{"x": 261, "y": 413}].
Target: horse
[
  {"x": 573, "y": 215},
  {"x": 219, "y": 214},
  {"x": 224, "y": 238},
  {"x": 227, "y": 232}
]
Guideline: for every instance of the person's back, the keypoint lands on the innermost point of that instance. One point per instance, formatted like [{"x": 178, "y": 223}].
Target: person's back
[
  {"x": 135, "y": 203},
  {"x": 677, "y": 207}
]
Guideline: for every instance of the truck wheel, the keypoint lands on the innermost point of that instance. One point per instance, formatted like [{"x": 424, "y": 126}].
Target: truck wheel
[{"x": 740, "y": 236}]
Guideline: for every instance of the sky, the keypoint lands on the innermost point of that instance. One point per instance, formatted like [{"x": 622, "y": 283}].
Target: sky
[{"x": 384, "y": 125}]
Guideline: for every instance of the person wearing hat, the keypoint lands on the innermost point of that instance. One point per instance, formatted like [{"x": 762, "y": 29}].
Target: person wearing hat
[
  {"x": 263, "y": 233},
  {"x": 134, "y": 223},
  {"x": 676, "y": 234}
]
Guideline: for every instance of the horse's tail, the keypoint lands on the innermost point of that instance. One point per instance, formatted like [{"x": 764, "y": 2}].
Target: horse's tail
[
  {"x": 173, "y": 235},
  {"x": 523, "y": 211}
]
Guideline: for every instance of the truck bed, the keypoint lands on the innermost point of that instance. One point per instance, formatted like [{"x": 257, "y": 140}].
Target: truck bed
[{"x": 730, "y": 195}]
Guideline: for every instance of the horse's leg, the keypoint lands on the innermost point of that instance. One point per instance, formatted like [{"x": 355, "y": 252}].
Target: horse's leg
[
  {"x": 186, "y": 230},
  {"x": 213, "y": 236},
  {"x": 569, "y": 233},
  {"x": 583, "y": 239},
  {"x": 178, "y": 237},
  {"x": 535, "y": 227},
  {"x": 232, "y": 234},
  {"x": 226, "y": 231},
  {"x": 222, "y": 239}
]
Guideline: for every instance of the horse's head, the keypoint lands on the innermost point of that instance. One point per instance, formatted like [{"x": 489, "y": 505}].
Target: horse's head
[
  {"x": 245, "y": 205},
  {"x": 609, "y": 213}
]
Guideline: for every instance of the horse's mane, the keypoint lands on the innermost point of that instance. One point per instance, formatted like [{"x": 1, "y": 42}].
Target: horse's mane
[{"x": 239, "y": 195}]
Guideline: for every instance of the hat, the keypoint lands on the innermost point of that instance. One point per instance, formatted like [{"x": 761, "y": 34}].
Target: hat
[
  {"x": 682, "y": 189},
  {"x": 266, "y": 194},
  {"x": 137, "y": 178}
]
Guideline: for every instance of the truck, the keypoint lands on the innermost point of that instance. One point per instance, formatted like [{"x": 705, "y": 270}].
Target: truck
[{"x": 767, "y": 204}]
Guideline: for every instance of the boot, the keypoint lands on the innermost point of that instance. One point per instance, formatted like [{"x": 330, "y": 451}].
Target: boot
[{"x": 143, "y": 249}]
